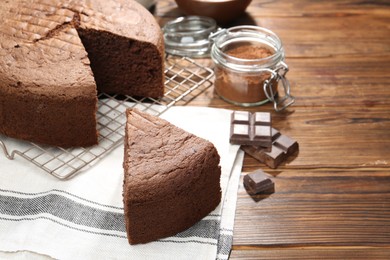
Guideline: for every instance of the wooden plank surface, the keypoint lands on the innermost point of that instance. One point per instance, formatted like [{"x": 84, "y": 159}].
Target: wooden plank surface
[
  {"x": 299, "y": 253},
  {"x": 332, "y": 200},
  {"x": 317, "y": 207}
]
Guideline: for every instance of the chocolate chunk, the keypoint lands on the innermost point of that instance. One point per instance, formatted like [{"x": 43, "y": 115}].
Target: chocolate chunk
[
  {"x": 257, "y": 182},
  {"x": 282, "y": 147},
  {"x": 251, "y": 128}
]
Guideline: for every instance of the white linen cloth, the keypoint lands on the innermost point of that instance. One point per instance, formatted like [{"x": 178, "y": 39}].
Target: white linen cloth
[{"x": 82, "y": 218}]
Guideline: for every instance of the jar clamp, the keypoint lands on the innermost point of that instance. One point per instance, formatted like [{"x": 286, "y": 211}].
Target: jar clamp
[{"x": 287, "y": 99}]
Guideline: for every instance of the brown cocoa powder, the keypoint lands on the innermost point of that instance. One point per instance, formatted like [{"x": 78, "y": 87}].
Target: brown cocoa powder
[
  {"x": 250, "y": 52},
  {"x": 243, "y": 87}
]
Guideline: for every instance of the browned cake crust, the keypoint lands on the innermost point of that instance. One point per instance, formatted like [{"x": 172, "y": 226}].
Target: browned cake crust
[
  {"x": 171, "y": 181},
  {"x": 48, "y": 75}
]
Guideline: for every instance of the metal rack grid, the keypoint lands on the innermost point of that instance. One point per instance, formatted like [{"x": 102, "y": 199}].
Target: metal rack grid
[{"x": 184, "y": 80}]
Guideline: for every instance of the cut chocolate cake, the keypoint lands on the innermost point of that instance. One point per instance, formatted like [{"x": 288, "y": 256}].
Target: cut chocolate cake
[
  {"x": 55, "y": 55},
  {"x": 171, "y": 178}
]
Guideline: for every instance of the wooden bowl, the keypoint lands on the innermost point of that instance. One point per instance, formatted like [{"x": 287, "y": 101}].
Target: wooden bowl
[{"x": 222, "y": 11}]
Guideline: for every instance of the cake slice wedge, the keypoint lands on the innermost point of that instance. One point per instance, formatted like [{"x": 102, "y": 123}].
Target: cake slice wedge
[{"x": 171, "y": 178}]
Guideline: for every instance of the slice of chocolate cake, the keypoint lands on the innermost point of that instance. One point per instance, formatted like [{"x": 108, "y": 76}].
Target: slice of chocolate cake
[{"x": 171, "y": 178}]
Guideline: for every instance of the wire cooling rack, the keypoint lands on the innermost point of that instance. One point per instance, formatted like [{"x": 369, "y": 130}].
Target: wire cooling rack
[{"x": 184, "y": 80}]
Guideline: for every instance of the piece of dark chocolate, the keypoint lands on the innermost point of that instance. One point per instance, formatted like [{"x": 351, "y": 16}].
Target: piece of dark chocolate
[
  {"x": 282, "y": 147},
  {"x": 251, "y": 128},
  {"x": 257, "y": 182}
]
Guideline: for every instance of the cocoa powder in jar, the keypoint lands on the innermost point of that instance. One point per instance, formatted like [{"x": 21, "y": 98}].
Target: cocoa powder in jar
[{"x": 244, "y": 88}]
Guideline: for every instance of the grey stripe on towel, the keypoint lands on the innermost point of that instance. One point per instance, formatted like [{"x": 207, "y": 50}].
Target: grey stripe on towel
[{"x": 75, "y": 212}]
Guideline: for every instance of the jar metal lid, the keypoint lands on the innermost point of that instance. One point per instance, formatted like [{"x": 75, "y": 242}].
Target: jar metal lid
[{"x": 189, "y": 36}]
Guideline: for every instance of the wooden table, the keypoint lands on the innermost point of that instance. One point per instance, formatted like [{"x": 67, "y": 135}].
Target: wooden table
[{"x": 332, "y": 200}]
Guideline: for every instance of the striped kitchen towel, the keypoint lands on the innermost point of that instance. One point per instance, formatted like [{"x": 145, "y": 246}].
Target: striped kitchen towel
[{"x": 82, "y": 218}]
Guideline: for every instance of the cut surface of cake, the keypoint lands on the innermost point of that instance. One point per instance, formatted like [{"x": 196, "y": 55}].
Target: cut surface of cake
[
  {"x": 171, "y": 178},
  {"x": 56, "y": 55}
]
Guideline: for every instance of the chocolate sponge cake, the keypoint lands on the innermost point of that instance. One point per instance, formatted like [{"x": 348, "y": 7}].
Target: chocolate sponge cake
[
  {"x": 55, "y": 55},
  {"x": 171, "y": 178}
]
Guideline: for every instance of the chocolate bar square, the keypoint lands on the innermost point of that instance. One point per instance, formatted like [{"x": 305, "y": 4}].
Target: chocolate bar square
[
  {"x": 251, "y": 128},
  {"x": 257, "y": 182},
  {"x": 282, "y": 147}
]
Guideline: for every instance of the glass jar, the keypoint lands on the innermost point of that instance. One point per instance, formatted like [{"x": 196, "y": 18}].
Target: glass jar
[
  {"x": 189, "y": 36},
  {"x": 249, "y": 60},
  {"x": 249, "y": 64}
]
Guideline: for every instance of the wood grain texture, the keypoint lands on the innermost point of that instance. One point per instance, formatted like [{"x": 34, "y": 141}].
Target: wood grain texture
[
  {"x": 332, "y": 199},
  {"x": 323, "y": 253},
  {"x": 317, "y": 207}
]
